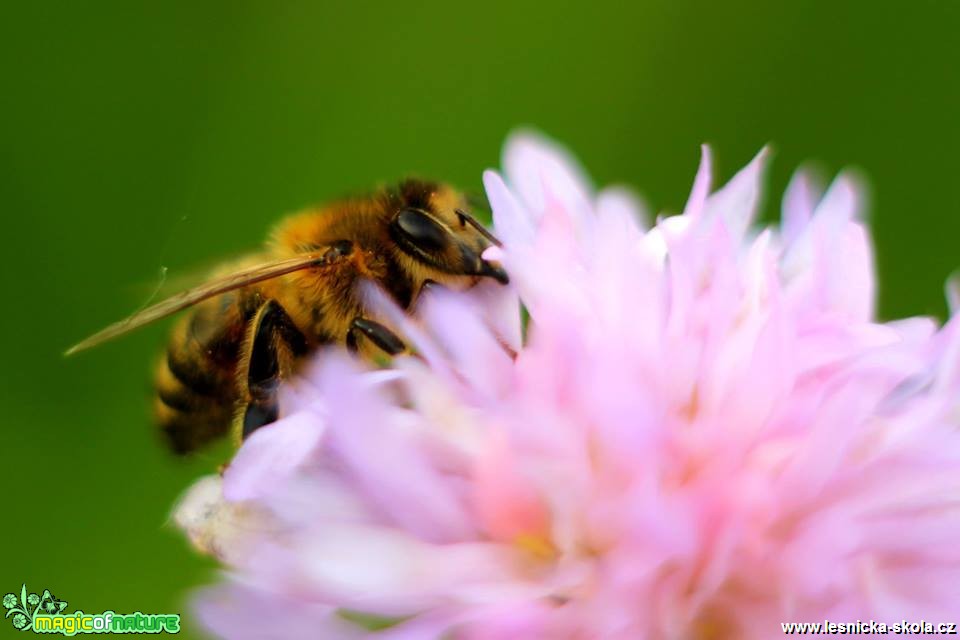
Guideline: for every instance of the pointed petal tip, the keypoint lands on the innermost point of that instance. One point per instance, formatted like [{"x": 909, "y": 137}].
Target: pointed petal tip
[
  {"x": 799, "y": 200},
  {"x": 845, "y": 198},
  {"x": 855, "y": 181},
  {"x": 739, "y": 199},
  {"x": 758, "y": 164},
  {"x": 701, "y": 183},
  {"x": 761, "y": 159},
  {"x": 952, "y": 290}
]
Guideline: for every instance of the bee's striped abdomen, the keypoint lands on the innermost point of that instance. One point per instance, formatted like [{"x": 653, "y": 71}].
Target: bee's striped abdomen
[{"x": 194, "y": 378}]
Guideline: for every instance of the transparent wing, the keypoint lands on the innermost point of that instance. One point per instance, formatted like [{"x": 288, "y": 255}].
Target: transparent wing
[
  {"x": 190, "y": 297},
  {"x": 170, "y": 281}
]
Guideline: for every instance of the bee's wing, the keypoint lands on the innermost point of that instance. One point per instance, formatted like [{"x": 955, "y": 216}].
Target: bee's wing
[
  {"x": 167, "y": 283},
  {"x": 190, "y": 297}
]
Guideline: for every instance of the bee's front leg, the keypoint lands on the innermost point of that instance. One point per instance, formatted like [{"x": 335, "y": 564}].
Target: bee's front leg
[
  {"x": 271, "y": 345},
  {"x": 378, "y": 334}
]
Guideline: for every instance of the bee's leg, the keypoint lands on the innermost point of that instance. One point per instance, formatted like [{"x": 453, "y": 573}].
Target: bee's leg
[
  {"x": 273, "y": 342},
  {"x": 378, "y": 334}
]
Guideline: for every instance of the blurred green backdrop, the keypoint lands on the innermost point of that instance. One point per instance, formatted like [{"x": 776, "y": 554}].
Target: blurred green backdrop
[{"x": 137, "y": 136}]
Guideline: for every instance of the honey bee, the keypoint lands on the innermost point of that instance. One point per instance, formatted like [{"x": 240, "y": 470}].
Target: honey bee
[{"x": 252, "y": 324}]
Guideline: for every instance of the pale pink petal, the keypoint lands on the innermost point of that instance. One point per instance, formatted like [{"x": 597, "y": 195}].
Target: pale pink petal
[
  {"x": 737, "y": 202},
  {"x": 474, "y": 349},
  {"x": 240, "y": 612},
  {"x": 701, "y": 185},
  {"x": 512, "y": 222},
  {"x": 623, "y": 202},
  {"x": 799, "y": 201},
  {"x": 508, "y": 504},
  {"x": 952, "y": 289},
  {"x": 271, "y": 454},
  {"x": 380, "y": 570},
  {"x": 377, "y": 447},
  {"x": 538, "y": 170}
]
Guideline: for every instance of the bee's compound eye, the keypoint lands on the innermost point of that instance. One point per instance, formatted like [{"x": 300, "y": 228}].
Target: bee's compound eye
[{"x": 421, "y": 230}]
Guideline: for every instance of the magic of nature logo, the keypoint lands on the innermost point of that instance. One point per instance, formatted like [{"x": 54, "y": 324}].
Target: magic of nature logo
[{"x": 44, "y": 613}]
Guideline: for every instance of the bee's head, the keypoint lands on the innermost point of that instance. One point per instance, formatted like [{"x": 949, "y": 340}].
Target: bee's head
[{"x": 432, "y": 227}]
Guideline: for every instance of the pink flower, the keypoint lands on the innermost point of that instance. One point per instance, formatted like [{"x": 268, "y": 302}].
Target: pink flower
[{"x": 705, "y": 433}]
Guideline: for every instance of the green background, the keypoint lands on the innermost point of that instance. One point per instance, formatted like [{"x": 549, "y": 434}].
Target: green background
[{"x": 140, "y": 135}]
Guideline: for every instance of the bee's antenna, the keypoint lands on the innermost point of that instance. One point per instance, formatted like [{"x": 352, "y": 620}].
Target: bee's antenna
[{"x": 473, "y": 222}]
